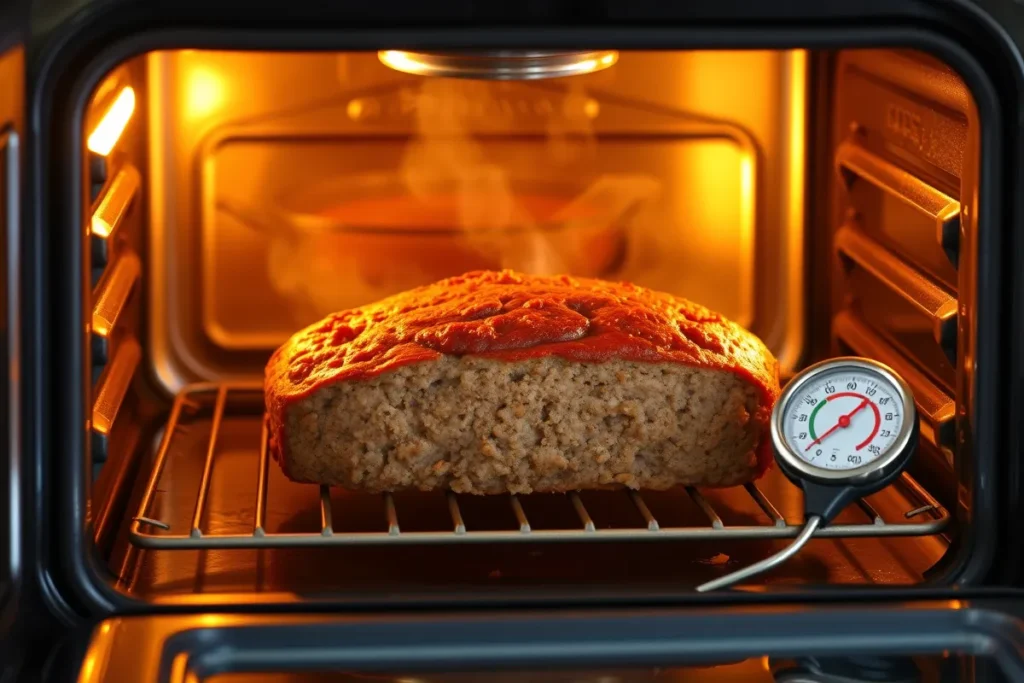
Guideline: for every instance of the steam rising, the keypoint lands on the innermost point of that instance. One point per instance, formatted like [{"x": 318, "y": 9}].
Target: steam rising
[
  {"x": 462, "y": 201},
  {"x": 445, "y": 159}
]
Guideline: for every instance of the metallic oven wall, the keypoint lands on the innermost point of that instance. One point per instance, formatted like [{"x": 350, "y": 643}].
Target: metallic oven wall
[{"x": 277, "y": 199}]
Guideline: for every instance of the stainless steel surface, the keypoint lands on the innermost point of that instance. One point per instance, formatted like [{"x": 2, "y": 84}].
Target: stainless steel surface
[
  {"x": 114, "y": 206},
  {"x": 865, "y": 474},
  {"x": 933, "y": 302},
  {"x": 499, "y": 65},
  {"x": 209, "y": 403},
  {"x": 854, "y": 162},
  {"x": 113, "y": 386},
  {"x": 117, "y": 287},
  {"x": 768, "y": 563}
]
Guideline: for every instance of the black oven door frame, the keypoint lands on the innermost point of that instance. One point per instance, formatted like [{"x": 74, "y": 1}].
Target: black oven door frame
[
  {"x": 76, "y": 48},
  {"x": 14, "y": 602},
  {"x": 948, "y": 641}
]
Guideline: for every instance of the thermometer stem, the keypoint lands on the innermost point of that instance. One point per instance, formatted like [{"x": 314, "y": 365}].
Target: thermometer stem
[{"x": 810, "y": 526}]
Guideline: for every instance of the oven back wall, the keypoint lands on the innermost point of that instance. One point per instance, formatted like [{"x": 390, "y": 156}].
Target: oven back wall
[{"x": 332, "y": 180}]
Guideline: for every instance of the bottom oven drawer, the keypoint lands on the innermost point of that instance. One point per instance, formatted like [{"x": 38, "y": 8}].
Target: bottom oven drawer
[{"x": 941, "y": 641}]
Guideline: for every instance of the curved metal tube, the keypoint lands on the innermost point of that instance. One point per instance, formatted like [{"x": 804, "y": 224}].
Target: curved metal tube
[{"x": 810, "y": 526}]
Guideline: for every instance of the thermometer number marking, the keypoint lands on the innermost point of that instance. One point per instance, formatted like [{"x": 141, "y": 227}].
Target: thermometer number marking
[{"x": 843, "y": 419}]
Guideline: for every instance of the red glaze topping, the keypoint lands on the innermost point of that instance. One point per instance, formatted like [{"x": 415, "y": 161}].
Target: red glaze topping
[{"x": 510, "y": 316}]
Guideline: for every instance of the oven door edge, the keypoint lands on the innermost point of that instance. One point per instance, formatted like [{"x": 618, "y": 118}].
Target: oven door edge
[
  {"x": 13, "y": 601},
  {"x": 974, "y": 641}
]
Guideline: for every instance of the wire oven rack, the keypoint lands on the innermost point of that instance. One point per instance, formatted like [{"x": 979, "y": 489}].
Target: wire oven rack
[{"x": 148, "y": 532}]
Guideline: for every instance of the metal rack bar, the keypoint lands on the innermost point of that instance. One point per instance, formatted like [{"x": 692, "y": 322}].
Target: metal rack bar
[
  {"x": 159, "y": 541},
  {"x": 641, "y": 506},
  {"x": 392, "y": 515},
  {"x": 705, "y": 507},
  {"x": 517, "y": 508},
  {"x": 581, "y": 511},
  {"x": 204, "y": 485},
  {"x": 147, "y": 530},
  {"x": 910, "y": 514},
  {"x": 928, "y": 501},
  {"x": 326, "y": 514},
  {"x": 871, "y": 512},
  {"x": 456, "y": 513},
  {"x": 140, "y": 517},
  {"x": 261, "y": 485},
  {"x": 765, "y": 504}
]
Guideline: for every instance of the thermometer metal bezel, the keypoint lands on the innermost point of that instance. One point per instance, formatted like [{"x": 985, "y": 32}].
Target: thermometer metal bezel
[{"x": 791, "y": 462}]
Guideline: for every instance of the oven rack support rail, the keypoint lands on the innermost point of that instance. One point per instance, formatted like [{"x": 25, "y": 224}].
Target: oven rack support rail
[{"x": 148, "y": 532}]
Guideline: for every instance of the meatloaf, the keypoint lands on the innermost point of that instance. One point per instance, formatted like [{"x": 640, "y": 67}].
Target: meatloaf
[{"x": 499, "y": 382}]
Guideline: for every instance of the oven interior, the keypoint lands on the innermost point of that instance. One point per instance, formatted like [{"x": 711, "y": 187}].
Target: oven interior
[{"x": 825, "y": 200}]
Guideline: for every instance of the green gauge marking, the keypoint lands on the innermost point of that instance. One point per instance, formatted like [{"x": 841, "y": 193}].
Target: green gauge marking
[{"x": 810, "y": 420}]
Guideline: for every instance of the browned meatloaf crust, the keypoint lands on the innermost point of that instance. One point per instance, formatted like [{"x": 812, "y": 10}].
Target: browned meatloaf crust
[{"x": 500, "y": 382}]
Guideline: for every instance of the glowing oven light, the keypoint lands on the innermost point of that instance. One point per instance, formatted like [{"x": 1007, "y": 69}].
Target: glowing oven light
[
  {"x": 400, "y": 61},
  {"x": 510, "y": 65},
  {"x": 113, "y": 123}
]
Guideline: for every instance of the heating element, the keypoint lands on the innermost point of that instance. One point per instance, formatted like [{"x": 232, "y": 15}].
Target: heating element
[{"x": 149, "y": 531}]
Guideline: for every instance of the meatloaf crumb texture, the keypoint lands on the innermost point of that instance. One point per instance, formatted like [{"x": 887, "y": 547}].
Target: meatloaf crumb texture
[
  {"x": 501, "y": 382},
  {"x": 484, "y": 426}
]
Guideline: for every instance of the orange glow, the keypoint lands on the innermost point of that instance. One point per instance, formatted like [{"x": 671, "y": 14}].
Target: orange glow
[
  {"x": 97, "y": 655},
  {"x": 113, "y": 123},
  {"x": 794, "y": 227},
  {"x": 205, "y": 94}
]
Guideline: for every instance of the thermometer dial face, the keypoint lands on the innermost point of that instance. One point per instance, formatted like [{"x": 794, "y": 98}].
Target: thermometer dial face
[
  {"x": 844, "y": 419},
  {"x": 847, "y": 418}
]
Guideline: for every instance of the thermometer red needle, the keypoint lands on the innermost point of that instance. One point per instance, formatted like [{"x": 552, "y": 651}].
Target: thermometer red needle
[{"x": 844, "y": 421}]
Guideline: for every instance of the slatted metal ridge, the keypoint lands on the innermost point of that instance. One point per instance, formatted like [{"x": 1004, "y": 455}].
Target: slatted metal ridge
[{"x": 148, "y": 532}]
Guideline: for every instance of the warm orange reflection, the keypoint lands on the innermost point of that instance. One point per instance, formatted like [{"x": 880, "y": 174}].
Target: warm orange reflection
[
  {"x": 205, "y": 92},
  {"x": 113, "y": 123},
  {"x": 98, "y": 653},
  {"x": 116, "y": 201}
]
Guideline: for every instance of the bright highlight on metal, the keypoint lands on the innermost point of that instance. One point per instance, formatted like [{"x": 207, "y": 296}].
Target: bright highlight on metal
[
  {"x": 113, "y": 123},
  {"x": 115, "y": 204},
  {"x": 499, "y": 65}
]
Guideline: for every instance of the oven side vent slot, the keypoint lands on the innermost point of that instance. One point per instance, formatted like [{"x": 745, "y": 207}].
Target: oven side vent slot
[
  {"x": 109, "y": 304},
  {"x": 110, "y": 214},
  {"x": 913, "y": 303},
  {"x": 895, "y": 191},
  {"x": 903, "y": 131},
  {"x": 936, "y": 408},
  {"x": 110, "y": 394},
  {"x": 115, "y": 125}
]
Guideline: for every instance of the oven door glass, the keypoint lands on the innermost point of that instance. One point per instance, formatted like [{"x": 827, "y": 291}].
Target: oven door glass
[{"x": 949, "y": 641}]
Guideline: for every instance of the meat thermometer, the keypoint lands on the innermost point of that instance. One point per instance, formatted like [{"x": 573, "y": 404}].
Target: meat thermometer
[{"x": 842, "y": 429}]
